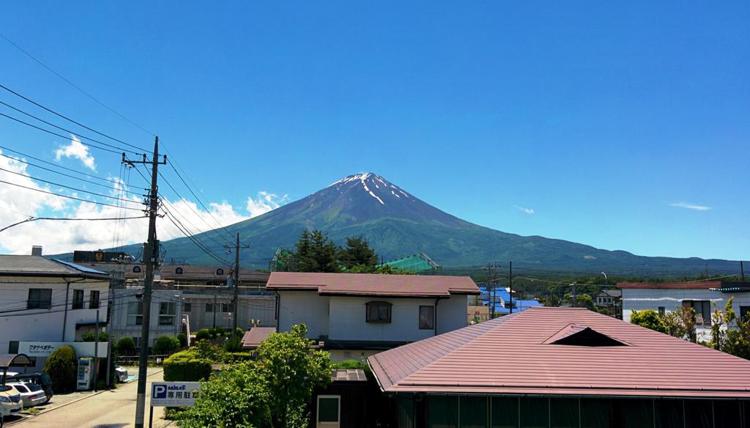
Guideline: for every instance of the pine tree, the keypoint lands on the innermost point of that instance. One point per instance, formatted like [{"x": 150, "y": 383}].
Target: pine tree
[{"x": 358, "y": 255}]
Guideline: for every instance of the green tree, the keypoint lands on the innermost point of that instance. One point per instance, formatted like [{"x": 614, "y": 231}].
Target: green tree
[
  {"x": 165, "y": 345},
  {"x": 236, "y": 397},
  {"x": 681, "y": 323},
  {"x": 292, "y": 370},
  {"x": 315, "y": 253},
  {"x": 61, "y": 366},
  {"x": 357, "y": 253},
  {"x": 650, "y": 319},
  {"x": 125, "y": 346}
]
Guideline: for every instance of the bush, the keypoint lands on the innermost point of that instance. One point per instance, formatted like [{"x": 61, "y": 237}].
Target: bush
[
  {"x": 233, "y": 344},
  {"x": 186, "y": 366},
  {"x": 125, "y": 346},
  {"x": 165, "y": 345},
  {"x": 649, "y": 319},
  {"x": 182, "y": 337},
  {"x": 203, "y": 334},
  {"x": 90, "y": 336},
  {"x": 62, "y": 366}
]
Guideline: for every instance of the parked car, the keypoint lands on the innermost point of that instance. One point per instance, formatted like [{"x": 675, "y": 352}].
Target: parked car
[
  {"x": 10, "y": 402},
  {"x": 121, "y": 373},
  {"x": 40, "y": 378},
  {"x": 31, "y": 395}
]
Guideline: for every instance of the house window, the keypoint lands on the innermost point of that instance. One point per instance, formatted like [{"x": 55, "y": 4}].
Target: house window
[
  {"x": 136, "y": 269},
  {"x": 329, "y": 410},
  {"x": 744, "y": 313},
  {"x": 426, "y": 317},
  {"x": 77, "y": 299},
  {"x": 94, "y": 299},
  {"x": 209, "y": 307},
  {"x": 178, "y": 271},
  {"x": 378, "y": 312},
  {"x": 135, "y": 313},
  {"x": 219, "y": 271},
  {"x": 225, "y": 307},
  {"x": 39, "y": 298},
  {"x": 702, "y": 310},
  {"x": 167, "y": 313},
  {"x": 187, "y": 307},
  {"x": 662, "y": 310}
]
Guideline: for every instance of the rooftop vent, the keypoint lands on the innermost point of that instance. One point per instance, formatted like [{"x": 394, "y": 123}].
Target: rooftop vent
[
  {"x": 581, "y": 335},
  {"x": 36, "y": 250}
]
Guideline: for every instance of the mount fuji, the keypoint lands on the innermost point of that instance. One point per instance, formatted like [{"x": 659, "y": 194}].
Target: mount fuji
[{"x": 397, "y": 223}]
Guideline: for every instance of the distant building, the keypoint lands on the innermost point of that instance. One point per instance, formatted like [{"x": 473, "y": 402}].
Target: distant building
[
  {"x": 703, "y": 296},
  {"x": 500, "y": 296},
  {"x": 415, "y": 263},
  {"x": 355, "y": 315},
  {"x": 610, "y": 301},
  {"x": 559, "y": 367},
  {"x": 48, "y": 302}
]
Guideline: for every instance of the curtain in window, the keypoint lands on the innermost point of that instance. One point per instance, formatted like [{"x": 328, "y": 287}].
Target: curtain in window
[
  {"x": 563, "y": 412},
  {"x": 727, "y": 413},
  {"x": 534, "y": 413},
  {"x": 442, "y": 412},
  {"x": 634, "y": 413},
  {"x": 596, "y": 413},
  {"x": 504, "y": 412},
  {"x": 698, "y": 414},
  {"x": 405, "y": 412},
  {"x": 473, "y": 412},
  {"x": 668, "y": 414}
]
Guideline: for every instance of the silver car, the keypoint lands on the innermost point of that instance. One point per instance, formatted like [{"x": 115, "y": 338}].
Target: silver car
[{"x": 31, "y": 394}]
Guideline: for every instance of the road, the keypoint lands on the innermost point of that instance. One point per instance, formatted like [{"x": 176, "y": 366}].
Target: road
[{"x": 114, "y": 408}]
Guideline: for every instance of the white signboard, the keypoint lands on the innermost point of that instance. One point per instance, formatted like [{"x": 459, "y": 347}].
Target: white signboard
[
  {"x": 43, "y": 349},
  {"x": 174, "y": 394}
]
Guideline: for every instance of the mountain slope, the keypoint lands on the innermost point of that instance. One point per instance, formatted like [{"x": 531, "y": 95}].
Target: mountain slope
[{"x": 397, "y": 223}]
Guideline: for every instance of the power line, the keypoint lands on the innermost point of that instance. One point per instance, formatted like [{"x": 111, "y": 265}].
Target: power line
[
  {"x": 74, "y": 86},
  {"x": 101, "y": 195},
  {"x": 181, "y": 227},
  {"x": 115, "y": 184},
  {"x": 66, "y": 137},
  {"x": 67, "y": 196},
  {"x": 53, "y": 164},
  {"x": 69, "y": 119},
  {"x": 83, "y": 137},
  {"x": 30, "y": 219}
]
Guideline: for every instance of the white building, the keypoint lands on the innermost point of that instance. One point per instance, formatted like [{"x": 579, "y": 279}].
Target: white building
[
  {"x": 703, "y": 296},
  {"x": 354, "y": 315},
  {"x": 43, "y": 300}
]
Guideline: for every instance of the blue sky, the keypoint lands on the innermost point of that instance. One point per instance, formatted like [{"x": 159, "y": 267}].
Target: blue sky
[{"x": 623, "y": 126}]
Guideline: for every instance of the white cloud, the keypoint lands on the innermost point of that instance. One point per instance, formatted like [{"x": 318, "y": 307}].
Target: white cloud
[
  {"x": 527, "y": 211},
  {"x": 689, "y": 206},
  {"x": 60, "y": 236},
  {"x": 76, "y": 150},
  {"x": 264, "y": 202}
]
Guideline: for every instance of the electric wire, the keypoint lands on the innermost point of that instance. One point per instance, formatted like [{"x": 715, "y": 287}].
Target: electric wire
[
  {"x": 67, "y": 196},
  {"x": 73, "y": 85},
  {"x": 32, "y": 218},
  {"x": 52, "y": 164}
]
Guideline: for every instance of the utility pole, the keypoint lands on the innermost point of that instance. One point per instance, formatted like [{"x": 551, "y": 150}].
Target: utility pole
[
  {"x": 742, "y": 271},
  {"x": 236, "y": 279},
  {"x": 151, "y": 259},
  {"x": 510, "y": 284}
]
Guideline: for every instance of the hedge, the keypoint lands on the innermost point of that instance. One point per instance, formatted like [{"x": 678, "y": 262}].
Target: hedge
[
  {"x": 62, "y": 367},
  {"x": 186, "y": 366},
  {"x": 164, "y": 345}
]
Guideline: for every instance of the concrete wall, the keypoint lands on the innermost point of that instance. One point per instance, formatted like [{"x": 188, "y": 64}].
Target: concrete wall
[
  {"x": 304, "y": 307},
  {"x": 21, "y": 324},
  {"x": 452, "y": 313},
  {"x": 123, "y": 326},
  {"x": 252, "y": 307}
]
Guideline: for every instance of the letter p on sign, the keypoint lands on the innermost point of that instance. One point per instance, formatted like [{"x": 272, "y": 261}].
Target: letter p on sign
[{"x": 159, "y": 391}]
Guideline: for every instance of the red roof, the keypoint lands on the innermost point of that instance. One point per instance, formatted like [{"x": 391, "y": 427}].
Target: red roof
[
  {"x": 508, "y": 355},
  {"x": 694, "y": 285},
  {"x": 253, "y": 337},
  {"x": 362, "y": 284}
]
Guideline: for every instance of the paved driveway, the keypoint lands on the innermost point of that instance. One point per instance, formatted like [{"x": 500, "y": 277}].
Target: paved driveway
[{"x": 114, "y": 408}]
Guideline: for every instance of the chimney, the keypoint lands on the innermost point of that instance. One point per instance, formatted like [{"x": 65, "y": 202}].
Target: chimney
[{"x": 36, "y": 250}]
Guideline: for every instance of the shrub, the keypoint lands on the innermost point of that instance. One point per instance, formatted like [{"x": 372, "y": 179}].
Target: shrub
[
  {"x": 649, "y": 319},
  {"x": 233, "y": 344},
  {"x": 186, "y": 366},
  {"x": 90, "y": 336},
  {"x": 61, "y": 366},
  {"x": 182, "y": 337},
  {"x": 165, "y": 345},
  {"x": 203, "y": 334},
  {"x": 209, "y": 351},
  {"x": 125, "y": 346}
]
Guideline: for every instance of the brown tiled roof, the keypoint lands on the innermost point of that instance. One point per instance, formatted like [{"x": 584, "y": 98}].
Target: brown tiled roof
[
  {"x": 253, "y": 337},
  {"x": 694, "y": 285},
  {"x": 373, "y": 284},
  {"x": 508, "y": 355}
]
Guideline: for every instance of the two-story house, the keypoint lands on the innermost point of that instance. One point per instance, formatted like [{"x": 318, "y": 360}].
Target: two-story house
[
  {"x": 354, "y": 315},
  {"x": 48, "y": 301}
]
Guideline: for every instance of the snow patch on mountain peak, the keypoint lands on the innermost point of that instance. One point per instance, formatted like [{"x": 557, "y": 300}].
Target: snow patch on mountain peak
[{"x": 363, "y": 178}]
